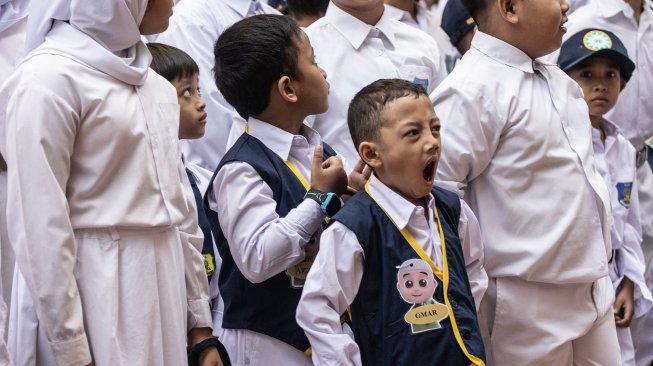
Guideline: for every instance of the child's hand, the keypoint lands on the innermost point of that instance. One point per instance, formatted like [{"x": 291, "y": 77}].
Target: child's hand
[
  {"x": 624, "y": 304},
  {"x": 311, "y": 249},
  {"x": 328, "y": 176},
  {"x": 358, "y": 177},
  {"x": 210, "y": 357}
]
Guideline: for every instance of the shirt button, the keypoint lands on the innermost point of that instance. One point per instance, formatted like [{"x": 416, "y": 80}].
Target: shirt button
[
  {"x": 379, "y": 53},
  {"x": 453, "y": 303}
]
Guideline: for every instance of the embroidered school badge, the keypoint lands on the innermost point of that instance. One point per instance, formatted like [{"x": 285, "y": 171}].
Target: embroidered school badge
[
  {"x": 595, "y": 40},
  {"x": 623, "y": 193},
  {"x": 423, "y": 82},
  {"x": 416, "y": 284}
]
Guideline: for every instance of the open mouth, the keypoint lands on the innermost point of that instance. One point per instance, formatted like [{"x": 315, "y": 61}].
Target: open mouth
[{"x": 429, "y": 172}]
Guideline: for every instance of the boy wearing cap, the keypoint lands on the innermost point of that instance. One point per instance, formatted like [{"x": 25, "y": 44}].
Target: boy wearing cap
[
  {"x": 460, "y": 27},
  {"x": 388, "y": 233},
  {"x": 598, "y": 61},
  {"x": 518, "y": 145}
]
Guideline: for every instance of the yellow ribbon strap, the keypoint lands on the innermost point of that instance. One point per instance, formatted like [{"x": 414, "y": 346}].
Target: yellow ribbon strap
[{"x": 441, "y": 275}]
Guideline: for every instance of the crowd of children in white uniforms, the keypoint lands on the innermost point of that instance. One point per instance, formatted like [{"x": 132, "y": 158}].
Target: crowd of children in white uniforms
[{"x": 300, "y": 220}]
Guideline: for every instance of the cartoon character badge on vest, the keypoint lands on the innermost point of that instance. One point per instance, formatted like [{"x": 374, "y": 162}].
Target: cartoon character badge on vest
[
  {"x": 623, "y": 193},
  {"x": 416, "y": 284}
]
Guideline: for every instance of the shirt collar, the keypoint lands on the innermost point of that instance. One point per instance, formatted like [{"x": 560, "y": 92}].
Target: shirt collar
[
  {"x": 278, "y": 140},
  {"x": 609, "y": 128},
  {"x": 502, "y": 52},
  {"x": 241, "y": 6},
  {"x": 354, "y": 30},
  {"x": 610, "y": 8},
  {"x": 399, "y": 209}
]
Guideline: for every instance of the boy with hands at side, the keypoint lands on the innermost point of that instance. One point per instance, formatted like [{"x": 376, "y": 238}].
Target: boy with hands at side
[{"x": 598, "y": 61}]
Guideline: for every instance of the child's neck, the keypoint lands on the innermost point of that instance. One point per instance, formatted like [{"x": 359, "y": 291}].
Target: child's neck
[
  {"x": 406, "y": 5},
  {"x": 597, "y": 123},
  {"x": 367, "y": 16},
  {"x": 638, "y": 7}
]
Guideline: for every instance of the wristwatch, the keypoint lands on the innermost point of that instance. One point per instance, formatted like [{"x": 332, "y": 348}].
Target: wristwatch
[{"x": 328, "y": 201}]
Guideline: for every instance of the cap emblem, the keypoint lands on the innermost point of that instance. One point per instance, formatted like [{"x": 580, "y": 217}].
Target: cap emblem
[{"x": 595, "y": 40}]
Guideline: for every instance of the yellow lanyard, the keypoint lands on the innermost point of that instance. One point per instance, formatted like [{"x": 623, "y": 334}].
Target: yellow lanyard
[
  {"x": 418, "y": 248},
  {"x": 442, "y": 275}
]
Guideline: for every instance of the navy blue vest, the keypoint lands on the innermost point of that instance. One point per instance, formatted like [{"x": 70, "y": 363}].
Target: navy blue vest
[
  {"x": 377, "y": 313},
  {"x": 268, "y": 307},
  {"x": 203, "y": 222}
]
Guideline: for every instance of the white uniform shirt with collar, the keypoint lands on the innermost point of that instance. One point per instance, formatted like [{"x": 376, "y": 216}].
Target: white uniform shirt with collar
[
  {"x": 262, "y": 243},
  {"x": 338, "y": 269},
  {"x": 194, "y": 28},
  {"x": 355, "y": 54},
  {"x": 616, "y": 163},
  {"x": 428, "y": 22},
  {"x": 513, "y": 141},
  {"x": 634, "y": 110}
]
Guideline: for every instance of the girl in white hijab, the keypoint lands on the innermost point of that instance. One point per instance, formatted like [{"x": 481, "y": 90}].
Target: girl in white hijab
[{"x": 104, "y": 232}]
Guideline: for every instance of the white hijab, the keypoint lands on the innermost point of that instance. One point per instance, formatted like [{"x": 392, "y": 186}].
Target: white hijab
[
  {"x": 11, "y": 12},
  {"x": 102, "y": 34}
]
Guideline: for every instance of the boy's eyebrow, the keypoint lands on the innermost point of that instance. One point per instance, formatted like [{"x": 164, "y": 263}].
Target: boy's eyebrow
[
  {"x": 424, "y": 273},
  {"x": 405, "y": 274}
]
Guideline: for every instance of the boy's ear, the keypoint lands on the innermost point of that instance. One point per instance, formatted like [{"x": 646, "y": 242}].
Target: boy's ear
[
  {"x": 368, "y": 152},
  {"x": 623, "y": 84},
  {"x": 507, "y": 10},
  {"x": 286, "y": 89}
]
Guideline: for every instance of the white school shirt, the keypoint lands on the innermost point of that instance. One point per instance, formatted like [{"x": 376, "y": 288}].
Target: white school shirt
[
  {"x": 518, "y": 142},
  {"x": 262, "y": 243},
  {"x": 334, "y": 280},
  {"x": 194, "y": 28},
  {"x": 355, "y": 54},
  {"x": 633, "y": 112},
  {"x": 615, "y": 161},
  {"x": 98, "y": 167},
  {"x": 427, "y": 22}
]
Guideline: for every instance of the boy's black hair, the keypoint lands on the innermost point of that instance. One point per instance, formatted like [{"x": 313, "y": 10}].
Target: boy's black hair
[
  {"x": 171, "y": 62},
  {"x": 307, "y": 7},
  {"x": 251, "y": 56},
  {"x": 364, "y": 114}
]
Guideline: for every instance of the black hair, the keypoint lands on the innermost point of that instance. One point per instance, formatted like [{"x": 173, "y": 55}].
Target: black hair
[
  {"x": 307, "y": 7},
  {"x": 477, "y": 9},
  {"x": 251, "y": 56},
  {"x": 171, "y": 62},
  {"x": 364, "y": 114}
]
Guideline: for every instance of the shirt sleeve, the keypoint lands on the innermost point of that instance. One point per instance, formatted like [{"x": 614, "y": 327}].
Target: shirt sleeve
[
  {"x": 632, "y": 256},
  {"x": 331, "y": 286},
  {"x": 41, "y": 133},
  {"x": 262, "y": 243},
  {"x": 469, "y": 136},
  {"x": 192, "y": 240},
  {"x": 472, "y": 245}
]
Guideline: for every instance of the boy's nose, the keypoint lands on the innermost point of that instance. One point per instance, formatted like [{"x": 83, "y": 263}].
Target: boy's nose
[
  {"x": 600, "y": 88},
  {"x": 564, "y": 6}
]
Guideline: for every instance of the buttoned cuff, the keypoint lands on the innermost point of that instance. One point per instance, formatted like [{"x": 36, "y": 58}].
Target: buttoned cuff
[
  {"x": 199, "y": 314},
  {"x": 72, "y": 352}
]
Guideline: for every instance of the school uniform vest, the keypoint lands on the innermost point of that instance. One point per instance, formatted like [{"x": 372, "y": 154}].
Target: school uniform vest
[
  {"x": 377, "y": 313},
  {"x": 268, "y": 307},
  {"x": 203, "y": 222}
]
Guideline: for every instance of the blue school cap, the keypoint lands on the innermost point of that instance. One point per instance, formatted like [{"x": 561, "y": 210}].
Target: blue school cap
[
  {"x": 456, "y": 21},
  {"x": 592, "y": 42}
]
